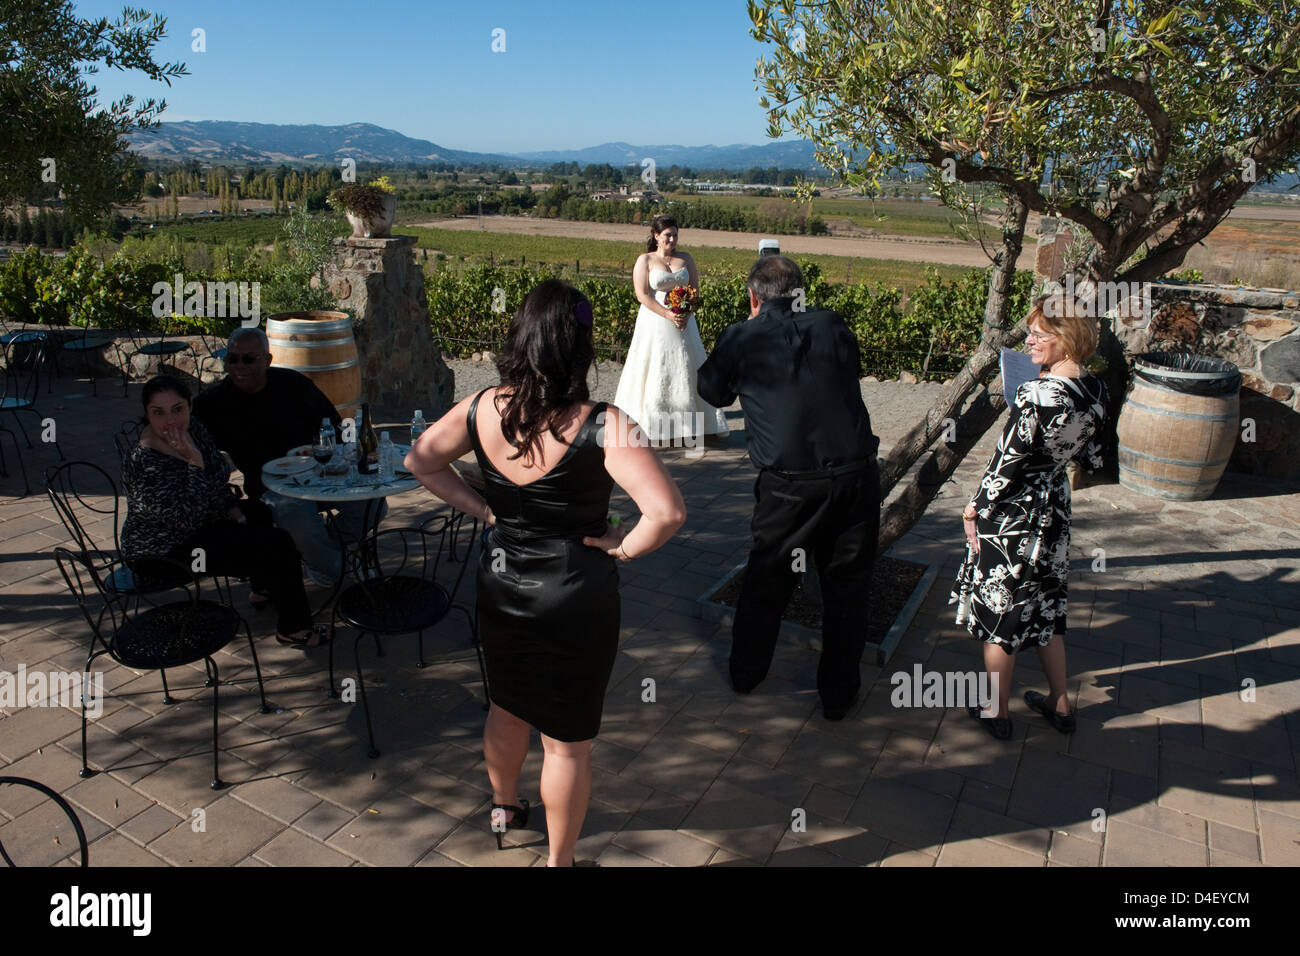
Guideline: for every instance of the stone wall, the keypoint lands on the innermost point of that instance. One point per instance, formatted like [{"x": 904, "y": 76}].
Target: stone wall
[
  {"x": 1258, "y": 330},
  {"x": 193, "y": 365},
  {"x": 401, "y": 366}
]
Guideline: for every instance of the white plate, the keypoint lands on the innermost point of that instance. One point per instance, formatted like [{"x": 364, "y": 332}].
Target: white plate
[
  {"x": 300, "y": 451},
  {"x": 287, "y": 467}
]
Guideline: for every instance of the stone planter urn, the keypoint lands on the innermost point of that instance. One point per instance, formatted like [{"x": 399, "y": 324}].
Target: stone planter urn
[{"x": 374, "y": 227}]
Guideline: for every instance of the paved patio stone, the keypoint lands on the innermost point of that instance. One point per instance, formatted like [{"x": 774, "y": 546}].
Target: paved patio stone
[
  {"x": 394, "y": 831},
  {"x": 1071, "y": 851},
  {"x": 231, "y": 831},
  {"x": 43, "y": 835},
  {"x": 152, "y": 823},
  {"x": 1128, "y": 845},
  {"x": 292, "y": 848}
]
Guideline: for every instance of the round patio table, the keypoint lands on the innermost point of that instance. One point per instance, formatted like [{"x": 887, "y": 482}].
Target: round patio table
[{"x": 335, "y": 489}]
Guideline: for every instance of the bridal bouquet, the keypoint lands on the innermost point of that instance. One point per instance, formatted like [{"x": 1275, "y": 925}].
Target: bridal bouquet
[{"x": 684, "y": 299}]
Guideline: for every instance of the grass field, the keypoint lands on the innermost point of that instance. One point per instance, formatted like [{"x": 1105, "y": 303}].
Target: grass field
[
  {"x": 897, "y": 217},
  {"x": 603, "y": 256}
]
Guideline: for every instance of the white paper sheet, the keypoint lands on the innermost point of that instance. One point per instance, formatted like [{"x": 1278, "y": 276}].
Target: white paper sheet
[{"x": 1017, "y": 368}]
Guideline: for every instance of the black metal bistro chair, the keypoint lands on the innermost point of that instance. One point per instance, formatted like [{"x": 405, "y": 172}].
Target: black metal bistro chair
[
  {"x": 24, "y": 354},
  {"x": 398, "y": 592},
  {"x": 61, "y": 803},
  {"x": 215, "y": 358},
  {"x": 85, "y": 499},
  {"x": 152, "y": 346},
  {"x": 127, "y": 437},
  {"x": 153, "y": 637}
]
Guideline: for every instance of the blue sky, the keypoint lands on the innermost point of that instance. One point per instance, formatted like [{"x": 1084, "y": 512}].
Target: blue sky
[{"x": 574, "y": 73}]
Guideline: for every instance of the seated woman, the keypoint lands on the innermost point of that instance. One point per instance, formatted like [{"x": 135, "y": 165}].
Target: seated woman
[{"x": 178, "y": 500}]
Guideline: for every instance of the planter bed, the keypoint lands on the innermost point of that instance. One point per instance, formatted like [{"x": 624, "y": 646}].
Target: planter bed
[{"x": 897, "y": 589}]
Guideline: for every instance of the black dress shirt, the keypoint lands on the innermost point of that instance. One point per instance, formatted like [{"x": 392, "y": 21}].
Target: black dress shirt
[
  {"x": 796, "y": 374},
  {"x": 263, "y": 426}
]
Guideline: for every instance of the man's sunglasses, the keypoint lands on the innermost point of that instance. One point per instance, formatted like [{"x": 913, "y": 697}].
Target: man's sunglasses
[{"x": 244, "y": 359}]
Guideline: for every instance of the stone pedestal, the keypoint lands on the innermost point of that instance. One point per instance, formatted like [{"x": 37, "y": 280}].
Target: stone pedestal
[{"x": 401, "y": 367}]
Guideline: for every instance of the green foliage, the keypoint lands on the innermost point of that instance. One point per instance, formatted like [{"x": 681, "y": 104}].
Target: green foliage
[
  {"x": 1188, "y": 275},
  {"x": 48, "y": 110},
  {"x": 943, "y": 323},
  {"x": 307, "y": 248},
  {"x": 81, "y": 289}
]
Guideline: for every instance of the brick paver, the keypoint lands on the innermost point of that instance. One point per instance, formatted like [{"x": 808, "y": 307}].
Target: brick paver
[{"x": 1184, "y": 662}]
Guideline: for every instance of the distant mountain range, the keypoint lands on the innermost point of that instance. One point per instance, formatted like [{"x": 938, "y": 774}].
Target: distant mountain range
[
  {"x": 261, "y": 144},
  {"x": 212, "y": 141}
]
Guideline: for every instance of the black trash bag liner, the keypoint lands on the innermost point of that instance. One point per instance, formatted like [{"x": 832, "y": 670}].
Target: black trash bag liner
[{"x": 1187, "y": 373}]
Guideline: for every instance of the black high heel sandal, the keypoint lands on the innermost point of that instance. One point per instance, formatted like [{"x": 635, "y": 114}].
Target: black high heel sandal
[{"x": 518, "y": 822}]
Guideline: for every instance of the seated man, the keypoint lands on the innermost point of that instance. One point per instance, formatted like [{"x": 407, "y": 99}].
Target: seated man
[{"x": 257, "y": 413}]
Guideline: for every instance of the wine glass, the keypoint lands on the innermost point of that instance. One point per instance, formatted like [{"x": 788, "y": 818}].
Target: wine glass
[{"x": 322, "y": 451}]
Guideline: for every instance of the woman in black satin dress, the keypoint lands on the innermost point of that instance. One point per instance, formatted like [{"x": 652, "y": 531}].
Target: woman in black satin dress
[{"x": 548, "y": 602}]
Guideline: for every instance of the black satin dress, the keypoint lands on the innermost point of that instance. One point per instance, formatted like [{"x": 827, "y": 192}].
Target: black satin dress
[{"x": 548, "y": 605}]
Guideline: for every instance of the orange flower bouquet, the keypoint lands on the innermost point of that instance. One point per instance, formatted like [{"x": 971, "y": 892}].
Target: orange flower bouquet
[{"x": 683, "y": 300}]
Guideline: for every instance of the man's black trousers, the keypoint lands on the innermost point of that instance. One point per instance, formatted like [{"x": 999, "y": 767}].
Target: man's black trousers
[{"x": 831, "y": 518}]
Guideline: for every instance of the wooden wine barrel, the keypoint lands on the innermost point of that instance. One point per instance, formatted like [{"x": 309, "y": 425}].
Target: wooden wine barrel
[
  {"x": 1173, "y": 442},
  {"x": 321, "y": 346}
]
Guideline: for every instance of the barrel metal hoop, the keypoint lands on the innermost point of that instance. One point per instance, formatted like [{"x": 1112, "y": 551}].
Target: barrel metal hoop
[
  {"x": 1204, "y": 482},
  {"x": 310, "y": 344},
  {"x": 1124, "y": 449},
  {"x": 309, "y": 325},
  {"x": 335, "y": 367},
  {"x": 1192, "y": 415},
  {"x": 1156, "y": 371}
]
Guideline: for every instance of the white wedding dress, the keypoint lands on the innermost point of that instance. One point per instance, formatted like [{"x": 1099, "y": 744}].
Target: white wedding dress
[{"x": 657, "y": 387}]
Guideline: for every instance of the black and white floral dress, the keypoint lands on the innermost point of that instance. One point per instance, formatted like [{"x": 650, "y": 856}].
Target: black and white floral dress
[{"x": 1013, "y": 591}]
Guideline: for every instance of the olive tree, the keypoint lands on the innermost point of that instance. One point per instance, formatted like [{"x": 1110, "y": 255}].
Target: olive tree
[
  {"x": 57, "y": 136},
  {"x": 1141, "y": 121}
]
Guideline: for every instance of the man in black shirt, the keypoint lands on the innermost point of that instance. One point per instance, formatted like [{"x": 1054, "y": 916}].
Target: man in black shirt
[
  {"x": 796, "y": 371},
  {"x": 256, "y": 414}
]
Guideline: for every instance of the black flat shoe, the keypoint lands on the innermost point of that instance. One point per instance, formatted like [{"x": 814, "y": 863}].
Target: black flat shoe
[
  {"x": 1062, "y": 722},
  {"x": 518, "y": 822},
  {"x": 999, "y": 727}
]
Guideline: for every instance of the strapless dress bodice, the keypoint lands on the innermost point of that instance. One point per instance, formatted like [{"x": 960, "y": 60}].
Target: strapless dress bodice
[{"x": 661, "y": 280}]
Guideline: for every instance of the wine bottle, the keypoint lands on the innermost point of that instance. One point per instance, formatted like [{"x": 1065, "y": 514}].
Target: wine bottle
[{"x": 367, "y": 445}]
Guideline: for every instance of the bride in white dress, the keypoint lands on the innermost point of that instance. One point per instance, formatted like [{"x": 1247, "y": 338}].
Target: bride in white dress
[{"x": 657, "y": 387}]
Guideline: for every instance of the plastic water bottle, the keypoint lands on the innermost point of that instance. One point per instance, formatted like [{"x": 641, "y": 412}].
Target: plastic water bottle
[
  {"x": 387, "y": 458},
  {"x": 418, "y": 425}
]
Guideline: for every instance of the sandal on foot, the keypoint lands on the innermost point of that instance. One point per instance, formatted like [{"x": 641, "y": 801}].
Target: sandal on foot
[
  {"x": 318, "y": 636},
  {"x": 999, "y": 727},
  {"x": 258, "y": 601},
  {"x": 1062, "y": 722},
  {"x": 519, "y": 821}
]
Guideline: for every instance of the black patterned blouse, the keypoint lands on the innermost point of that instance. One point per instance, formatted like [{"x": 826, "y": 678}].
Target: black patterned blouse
[{"x": 167, "y": 500}]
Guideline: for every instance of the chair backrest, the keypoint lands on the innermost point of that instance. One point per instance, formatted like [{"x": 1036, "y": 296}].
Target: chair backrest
[
  {"x": 63, "y": 805},
  {"x": 85, "y": 499},
  {"x": 127, "y": 437},
  {"x": 24, "y": 355},
  {"x": 419, "y": 552},
  {"x": 93, "y": 586},
  {"x": 87, "y": 582}
]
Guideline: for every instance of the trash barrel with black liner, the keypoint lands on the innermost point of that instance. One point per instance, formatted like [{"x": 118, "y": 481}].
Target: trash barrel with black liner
[{"x": 1178, "y": 426}]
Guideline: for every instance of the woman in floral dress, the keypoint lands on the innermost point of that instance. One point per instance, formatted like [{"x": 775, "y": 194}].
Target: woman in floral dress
[{"x": 1011, "y": 589}]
